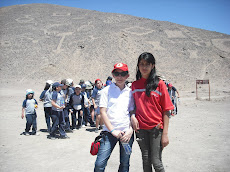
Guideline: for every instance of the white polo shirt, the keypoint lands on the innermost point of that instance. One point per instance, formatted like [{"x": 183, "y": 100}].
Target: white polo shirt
[{"x": 118, "y": 103}]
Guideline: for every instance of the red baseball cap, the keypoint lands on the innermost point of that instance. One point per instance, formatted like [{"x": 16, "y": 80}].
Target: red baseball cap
[
  {"x": 170, "y": 85},
  {"x": 97, "y": 80},
  {"x": 121, "y": 66}
]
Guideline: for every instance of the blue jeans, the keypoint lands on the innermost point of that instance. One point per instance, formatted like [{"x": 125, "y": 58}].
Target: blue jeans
[
  {"x": 107, "y": 145},
  {"x": 57, "y": 118},
  {"x": 48, "y": 111},
  {"x": 66, "y": 118},
  {"x": 150, "y": 144},
  {"x": 31, "y": 121},
  {"x": 74, "y": 119},
  {"x": 87, "y": 117}
]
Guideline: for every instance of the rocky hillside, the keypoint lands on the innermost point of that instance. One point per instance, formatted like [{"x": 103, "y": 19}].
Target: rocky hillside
[{"x": 41, "y": 41}]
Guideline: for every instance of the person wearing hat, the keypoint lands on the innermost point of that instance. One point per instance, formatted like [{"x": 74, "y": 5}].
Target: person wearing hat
[
  {"x": 67, "y": 90},
  {"x": 86, "y": 112},
  {"x": 96, "y": 99},
  {"x": 89, "y": 91},
  {"x": 58, "y": 104},
  {"x": 45, "y": 97},
  {"x": 109, "y": 81},
  {"x": 81, "y": 82},
  {"x": 172, "y": 93},
  {"x": 115, "y": 104},
  {"x": 76, "y": 103},
  {"x": 29, "y": 106}
]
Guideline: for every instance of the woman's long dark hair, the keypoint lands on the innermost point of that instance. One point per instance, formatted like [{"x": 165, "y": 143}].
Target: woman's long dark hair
[{"x": 153, "y": 80}]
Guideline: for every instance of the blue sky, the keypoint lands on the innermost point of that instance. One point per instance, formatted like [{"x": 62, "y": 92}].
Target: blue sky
[{"x": 213, "y": 15}]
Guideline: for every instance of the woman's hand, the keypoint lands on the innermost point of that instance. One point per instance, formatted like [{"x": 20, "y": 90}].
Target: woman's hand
[
  {"x": 127, "y": 135},
  {"x": 22, "y": 116},
  {"x": 164, "y": 140},
  {"x": 135, "y": 123}
]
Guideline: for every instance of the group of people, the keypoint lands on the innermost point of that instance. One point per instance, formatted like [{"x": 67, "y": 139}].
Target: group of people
[
  {"x": 144, "y": 106},
  {"x": 62, "y": 101}
]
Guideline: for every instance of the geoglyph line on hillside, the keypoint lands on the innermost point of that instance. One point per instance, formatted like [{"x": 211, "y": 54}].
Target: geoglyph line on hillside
[
  {"x": 195, "y": 38},
  {"x": 61, "y": 14},
  {"x": 222, "y": 44},
  {"x": 139, "y": 31},
  {"x": 156, "y": 45},
  {"x": 114, "y": 19},
  {"x": 175, "y": 34},
  {"x": 63, "y": 35},
  {"x": 25, "y": 19}
]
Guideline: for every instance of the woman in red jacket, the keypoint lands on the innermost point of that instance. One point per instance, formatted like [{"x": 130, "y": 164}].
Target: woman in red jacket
[{"x": 152, "y": 113}]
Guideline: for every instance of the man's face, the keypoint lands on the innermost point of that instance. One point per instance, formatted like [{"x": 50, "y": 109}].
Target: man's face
[
  {"x": 59, "y": 88},
  {"x": 99, "y": 84},
  {"x": 77, "y": 90},
  {"x": 120, "y": 76},
  {"x": 30, "y": 96},
  {"x": 64, "y": 87}
]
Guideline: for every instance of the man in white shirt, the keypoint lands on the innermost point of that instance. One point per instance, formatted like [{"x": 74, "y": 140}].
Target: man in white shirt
[{"x": 115, "y": 105}]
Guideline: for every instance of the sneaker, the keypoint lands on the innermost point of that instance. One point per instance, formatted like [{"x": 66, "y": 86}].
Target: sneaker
[
  {"x": 79, "y": 127},
  {"x": 64, "y": 137},
  {"x": 92, "y": 125},
  {"x": 69, "y": 131},
  {"x": 27, "y": 133},
  {"x": 74, "y": 129},
  {"x": 100, "y": 128},
  {"x": 96, "y": 130},
  {"x": 83, "y": 126},
  {"x": 51, "y": 137}
]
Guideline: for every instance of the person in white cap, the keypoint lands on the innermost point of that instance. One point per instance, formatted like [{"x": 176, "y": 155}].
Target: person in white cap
[
  {"x": 89, "y": 91},
  {"x": 68, "y": 92},
  {"x": 28, "y": 107},
  {"x": 45, "y": 97},
  {"x": 76, "y": 103}
]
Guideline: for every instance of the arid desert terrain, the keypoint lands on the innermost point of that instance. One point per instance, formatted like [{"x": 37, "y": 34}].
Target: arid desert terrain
[{"x": 40, "y": 42}]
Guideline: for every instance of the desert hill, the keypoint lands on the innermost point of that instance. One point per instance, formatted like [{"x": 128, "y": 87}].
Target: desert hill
[{"x": 41, "y": 41}]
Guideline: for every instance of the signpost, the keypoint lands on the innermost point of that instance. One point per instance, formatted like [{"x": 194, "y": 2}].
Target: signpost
[{"x": 202, "y": 82}]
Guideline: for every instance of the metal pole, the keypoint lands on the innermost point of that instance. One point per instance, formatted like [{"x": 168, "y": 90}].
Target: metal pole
[
  {"x": 209, "y": 89},
  {"x": 196, "y": 91}
]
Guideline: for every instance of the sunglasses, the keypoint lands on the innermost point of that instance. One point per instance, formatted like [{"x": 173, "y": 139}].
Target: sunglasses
[{"x": 120, "y": 73}]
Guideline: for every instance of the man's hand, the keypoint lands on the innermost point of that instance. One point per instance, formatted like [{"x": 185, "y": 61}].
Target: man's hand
[{"x": 117, "y": 133}]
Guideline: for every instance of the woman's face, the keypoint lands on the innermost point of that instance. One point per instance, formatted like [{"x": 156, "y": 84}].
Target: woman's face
[{"x": 145, "y": 68}]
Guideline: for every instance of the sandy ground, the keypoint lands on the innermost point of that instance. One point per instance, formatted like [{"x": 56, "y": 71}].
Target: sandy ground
[{"x": 199, "y": 139}]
